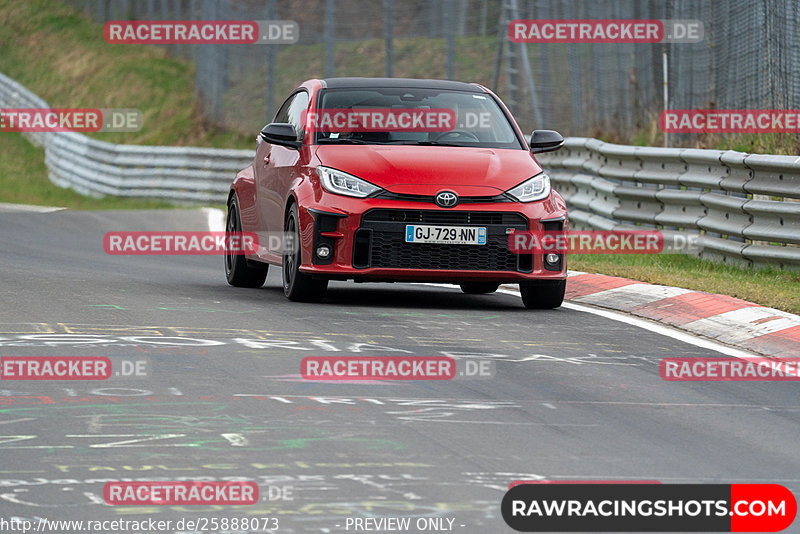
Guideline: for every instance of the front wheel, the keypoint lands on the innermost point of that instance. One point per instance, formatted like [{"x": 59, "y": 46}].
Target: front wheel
[
  {"x": 298, "y": 286},
  {"x": 543, "y": 294},
  {"x": 237, "y": 270}
]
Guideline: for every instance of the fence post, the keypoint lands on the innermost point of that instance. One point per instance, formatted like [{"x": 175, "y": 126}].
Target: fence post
[
  {"x": 388, "y": 31},
  {"x": 449, "y": 23},
  {"x": 271, "y": 15},
  {"x": 330, "y": 50}
]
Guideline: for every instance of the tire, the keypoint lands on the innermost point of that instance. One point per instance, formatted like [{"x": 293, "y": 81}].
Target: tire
[
  {"x": 298, "y": 286},
  {"x": 479, "y": 288},
  {"x": 543, "y": 295},
  {"x": 237, "y": 270}
]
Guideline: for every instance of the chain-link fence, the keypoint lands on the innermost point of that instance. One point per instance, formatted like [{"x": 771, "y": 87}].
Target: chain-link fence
[{"x": 747, "y": 60}]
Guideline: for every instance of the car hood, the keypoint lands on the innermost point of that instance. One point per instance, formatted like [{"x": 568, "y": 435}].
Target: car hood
[{"x": 426, "y": 170}]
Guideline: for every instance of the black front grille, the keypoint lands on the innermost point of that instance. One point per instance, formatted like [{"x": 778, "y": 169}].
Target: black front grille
[
  {"x": 380, "y": 242},
  {"x": 480, "y": 218}
]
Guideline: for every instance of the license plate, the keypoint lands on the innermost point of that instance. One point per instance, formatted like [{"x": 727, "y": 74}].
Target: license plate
[{"x": 446, "y": 235}]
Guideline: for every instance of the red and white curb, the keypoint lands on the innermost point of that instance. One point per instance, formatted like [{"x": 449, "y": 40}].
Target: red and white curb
[{"x": 719, "y": 317}]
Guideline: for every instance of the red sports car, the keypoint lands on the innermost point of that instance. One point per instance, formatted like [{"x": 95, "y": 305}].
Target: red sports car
[{"x": 390, "y": 179}]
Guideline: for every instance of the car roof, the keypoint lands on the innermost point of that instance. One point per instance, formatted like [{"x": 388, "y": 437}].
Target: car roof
[{"x": 411, "y": 83}]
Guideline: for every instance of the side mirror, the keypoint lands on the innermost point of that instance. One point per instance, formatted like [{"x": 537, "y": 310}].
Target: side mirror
[
  {"x": 281, "y": 133},
  {"x": 545, "y": 141}
]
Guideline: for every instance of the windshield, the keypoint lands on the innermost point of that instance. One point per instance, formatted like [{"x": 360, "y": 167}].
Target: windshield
[{"x": 402, "y": 116}]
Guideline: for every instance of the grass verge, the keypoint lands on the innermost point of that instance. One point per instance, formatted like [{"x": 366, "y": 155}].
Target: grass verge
[
  {"x": 23, "y": 180},
  {"x": 58, "y": 53},
  {"x": 769, "y": 287}
]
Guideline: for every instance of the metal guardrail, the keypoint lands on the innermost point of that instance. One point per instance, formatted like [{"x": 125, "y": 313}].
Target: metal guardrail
[
  {"x": 97, "y": 168},
  {"x": 15, "y": 95},
  {"x": 744, "y": 207}
]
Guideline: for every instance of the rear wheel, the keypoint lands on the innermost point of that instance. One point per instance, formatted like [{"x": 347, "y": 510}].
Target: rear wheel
[
  {"x": 543, "y": 294},
  {"x": 479, "y": 288},
  {"x": 237, "y": 270},
  {"x": 298, "y": 286}
]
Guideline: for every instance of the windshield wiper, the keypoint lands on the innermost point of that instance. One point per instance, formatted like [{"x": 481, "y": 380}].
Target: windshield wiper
[
  {"x": 328, "y": 140},
  {"x": 424, "y": 143}
]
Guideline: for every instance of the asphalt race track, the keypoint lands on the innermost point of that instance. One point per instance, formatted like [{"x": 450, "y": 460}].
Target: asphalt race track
[{"x": 576, "y": 396}]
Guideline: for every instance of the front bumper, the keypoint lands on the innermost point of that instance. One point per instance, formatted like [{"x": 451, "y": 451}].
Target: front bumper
[{"x": 366, "y": 237}]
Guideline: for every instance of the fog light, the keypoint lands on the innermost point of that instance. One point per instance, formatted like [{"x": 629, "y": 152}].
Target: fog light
[
  {"x": 323, "y": 251},
  {"x": 552, "y": 259}
]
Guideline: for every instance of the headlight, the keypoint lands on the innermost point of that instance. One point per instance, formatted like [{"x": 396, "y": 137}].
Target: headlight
[
  {"x": 535, "y": 188},
  {"x": 344, "y": 184}
]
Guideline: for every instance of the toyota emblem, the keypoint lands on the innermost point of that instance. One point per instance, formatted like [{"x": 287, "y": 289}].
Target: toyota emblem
[{"x": 446, "y": 199}]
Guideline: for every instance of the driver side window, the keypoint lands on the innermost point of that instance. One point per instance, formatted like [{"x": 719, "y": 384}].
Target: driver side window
[
  {"x": 292, "y": 112},
  {"x": 283, "y": 113}
]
